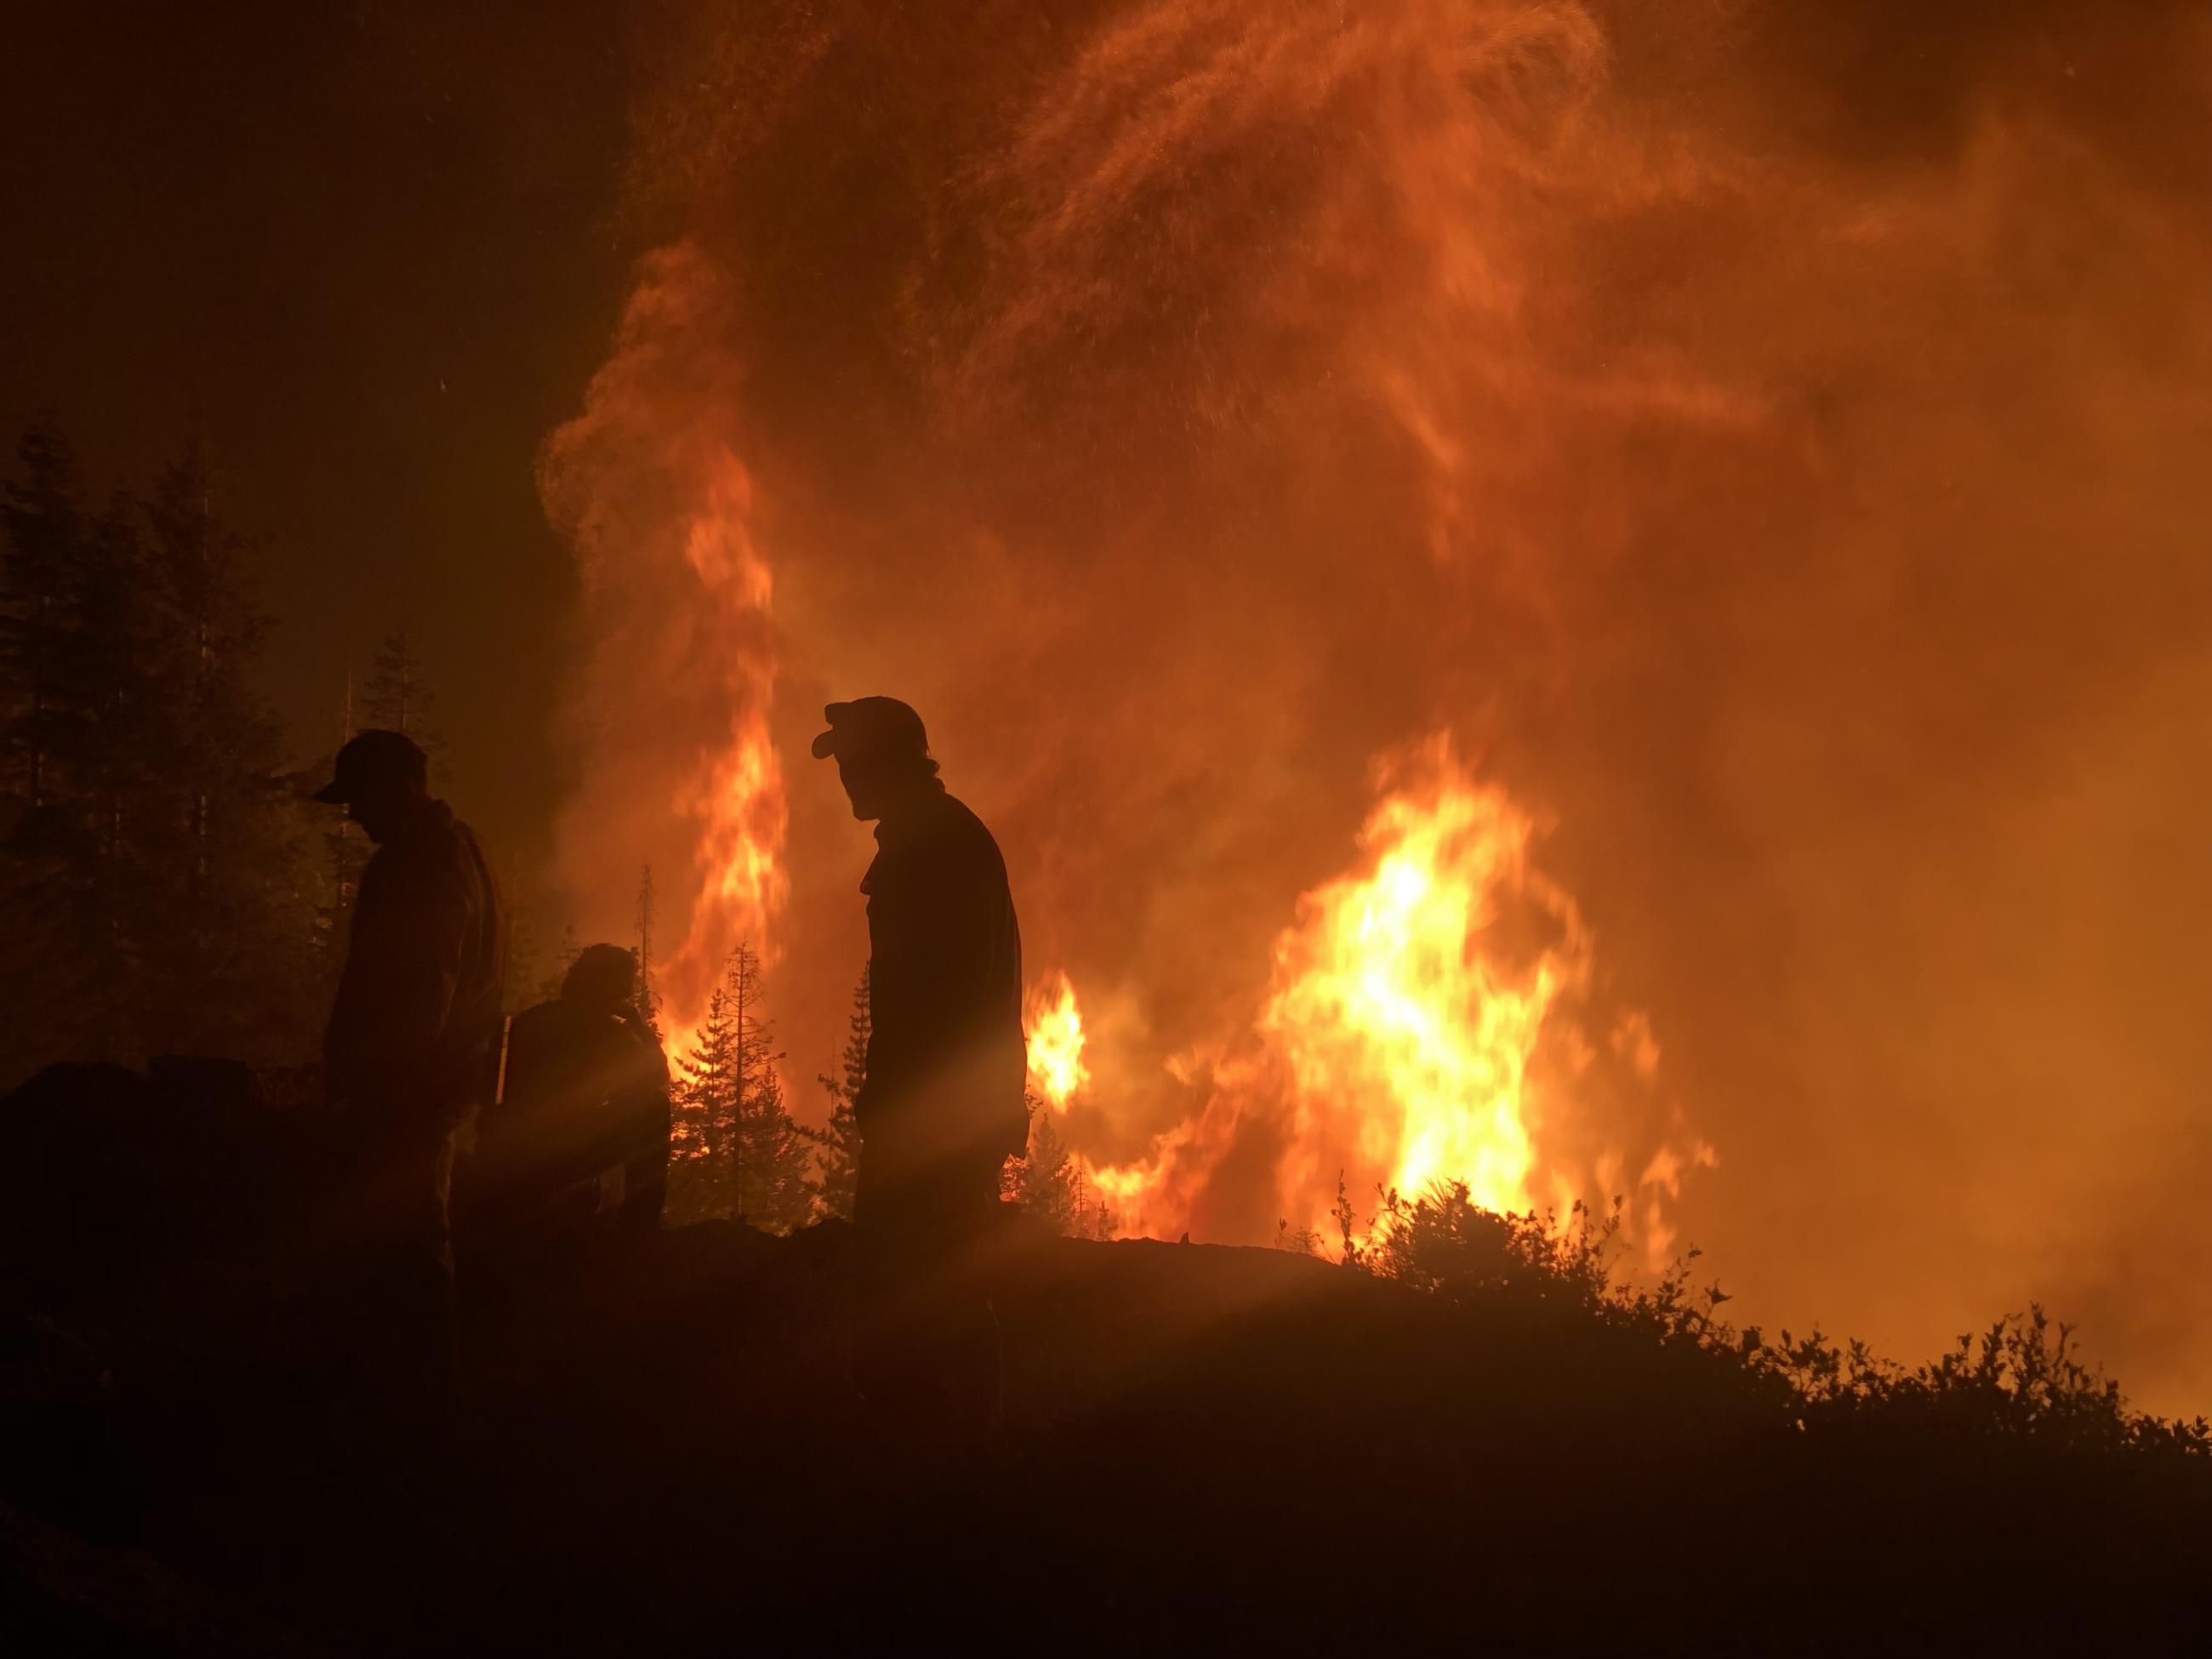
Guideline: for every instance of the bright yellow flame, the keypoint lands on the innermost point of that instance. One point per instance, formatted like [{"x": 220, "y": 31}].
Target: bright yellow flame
[
  {"x": 733, "y": 797},
  {"x": 1408, "y": 1041},
  {"x": 1397, "y": 1043},
  {"x": 1055, "y": 1040}
]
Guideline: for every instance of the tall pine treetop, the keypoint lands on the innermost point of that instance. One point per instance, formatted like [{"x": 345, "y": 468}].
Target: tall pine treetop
[{"x": 396, "y": 694}]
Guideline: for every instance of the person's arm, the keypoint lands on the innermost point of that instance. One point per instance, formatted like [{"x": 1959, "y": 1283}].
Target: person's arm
[
  {"x": 903, "y": 929},
  {"x": 890, "y": 974},
  {"x": 402, "y": 972}
]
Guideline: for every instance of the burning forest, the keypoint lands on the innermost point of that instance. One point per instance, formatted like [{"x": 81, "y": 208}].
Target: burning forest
[
  {"x": 1204, "y": 412},
  {"x": 1487, "y": 664}
]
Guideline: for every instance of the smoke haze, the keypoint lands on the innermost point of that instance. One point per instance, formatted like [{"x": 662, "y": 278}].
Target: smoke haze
[{"x": 1768, "y": 440}]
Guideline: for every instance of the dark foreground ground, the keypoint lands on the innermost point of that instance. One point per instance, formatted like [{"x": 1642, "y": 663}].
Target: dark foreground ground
[{"x": 1202, "y": 1449}]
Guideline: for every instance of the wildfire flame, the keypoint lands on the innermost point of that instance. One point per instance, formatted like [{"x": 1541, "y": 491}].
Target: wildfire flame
[
  {"x": 734, "y": 793},
  {"x": 1221, "y": 378},
  {"x": 1055, "y": 1040},
  {"x": 1399, "y": 1043},
  {"x": 1409, "y": 1037},
  {"x": 673, "y": 701}
]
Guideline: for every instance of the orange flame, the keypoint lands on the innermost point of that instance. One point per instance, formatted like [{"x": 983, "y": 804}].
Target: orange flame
[
  {"x": 671, "y": 702},
  {"x": 1055, "y": 1040},
  {"x": 733, "y": 795},
  {"x": 1408, "y": 1043},
  {"x": 1398, "y": 1045}
]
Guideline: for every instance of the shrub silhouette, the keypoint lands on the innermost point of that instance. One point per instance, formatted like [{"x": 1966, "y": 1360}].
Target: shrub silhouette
[{"x": 2022, "y": 1378}]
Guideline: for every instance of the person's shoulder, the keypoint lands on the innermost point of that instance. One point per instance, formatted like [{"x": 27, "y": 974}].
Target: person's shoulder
[
  {"x": 448, "y": 849},
  {"x": 940, "y": 835},
  {"x": 540, "y": 1018},
  {"x": 456, "y": 838},
  {"x": 962, "y": 827}
]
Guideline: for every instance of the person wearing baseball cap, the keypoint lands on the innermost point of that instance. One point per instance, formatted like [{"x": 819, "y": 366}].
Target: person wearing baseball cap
[
  {"x": 942, "y": 1105},
  {"x": 418, "y": 1005},
  {"x": 942, "y": 1108}
]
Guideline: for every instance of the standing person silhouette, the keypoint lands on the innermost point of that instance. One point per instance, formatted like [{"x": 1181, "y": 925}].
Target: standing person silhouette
[
  {"x": 405, "y": 1054},
  {"x": 941, "y": 1109}
]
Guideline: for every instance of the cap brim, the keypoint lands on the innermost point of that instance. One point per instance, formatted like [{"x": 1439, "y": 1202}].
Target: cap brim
[
  {"x": 826, "y": 744},
  {"x": 331, "y": 794}
]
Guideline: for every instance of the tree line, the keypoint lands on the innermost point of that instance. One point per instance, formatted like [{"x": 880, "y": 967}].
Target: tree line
[
  {"x": 169, "y": 887},
  {"x": 157, "y": 867}
]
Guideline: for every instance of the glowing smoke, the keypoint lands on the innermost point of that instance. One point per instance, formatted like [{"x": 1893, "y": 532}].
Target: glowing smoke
[{"x": 1770, "y": 438}]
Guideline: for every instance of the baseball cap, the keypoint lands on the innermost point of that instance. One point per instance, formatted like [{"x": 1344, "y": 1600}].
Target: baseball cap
[
  {"x": 868, "y": 726},
  {"x": 372, "y": 761}
]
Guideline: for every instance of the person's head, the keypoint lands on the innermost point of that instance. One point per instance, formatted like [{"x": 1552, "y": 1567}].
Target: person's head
[
  {"x": 882, "y": 752},
  {"x": 380, "y": 778},
  {"x": 602, "y": 978}
]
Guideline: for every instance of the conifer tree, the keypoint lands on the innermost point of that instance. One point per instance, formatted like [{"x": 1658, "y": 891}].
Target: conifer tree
[
  {"x": 1043, "y": 1181},
  {"x": 837, "y": 1142},
  {"x": 1048, "y": 1183},
  {"x": 648, "y": 994},
  {"x": 153, "y": 857},
  {"x": 738, "y": 1151},
  {"x": 396, "y": 694},
  {"x": 42, "y": 515},
  {"x": 51, "y": 884},
  {"x": 1093, "y": 1218},
  {"x": 230, "y": 906},
  {"x": 702, "y": 1097},
  {"x": 771, "y": 1165},
  {"x": 118, "y": 746}
]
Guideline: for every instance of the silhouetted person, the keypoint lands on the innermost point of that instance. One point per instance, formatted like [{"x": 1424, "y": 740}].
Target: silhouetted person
[
  {"x": 941, "y": 1109},
  {"x": 407, "y": 1049},
  {"x": 580, "y": 1135}
]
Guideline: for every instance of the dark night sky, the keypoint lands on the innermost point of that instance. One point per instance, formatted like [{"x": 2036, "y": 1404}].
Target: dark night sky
[{"x": 375, "y": 253}]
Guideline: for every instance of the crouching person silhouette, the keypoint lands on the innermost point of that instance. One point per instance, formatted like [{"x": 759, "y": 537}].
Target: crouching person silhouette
[
  {"x": 577, "y": 1145},
  {"x": 941, "y": 1109}
]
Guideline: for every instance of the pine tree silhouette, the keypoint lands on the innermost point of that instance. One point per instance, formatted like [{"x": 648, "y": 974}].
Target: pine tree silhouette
[
  {"x": 156, "y": 874},
  {"x": 738, "y": 1151},
  {"x": 771, "y": 1164},
  {"x": 648, "y": 992},
  {"x": 1043, "y": 1181},
  {"x": 395, "y": 696},
  {"x": 703, "y": 1098},
  {"x": 837, "y": 1142}
]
